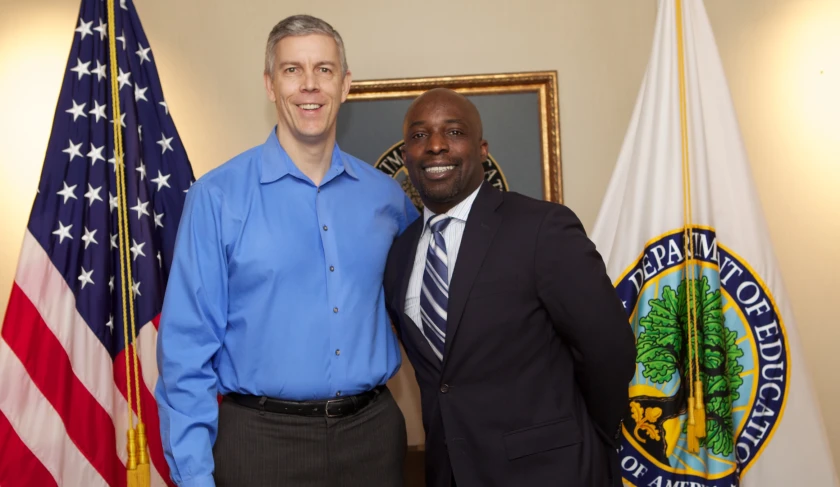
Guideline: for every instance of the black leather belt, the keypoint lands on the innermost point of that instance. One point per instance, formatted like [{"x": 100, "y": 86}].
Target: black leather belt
[{"x": 330, "y": 408}]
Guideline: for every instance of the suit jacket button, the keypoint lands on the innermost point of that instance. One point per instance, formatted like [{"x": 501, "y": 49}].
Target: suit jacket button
[{"x": 444, "y": 388}]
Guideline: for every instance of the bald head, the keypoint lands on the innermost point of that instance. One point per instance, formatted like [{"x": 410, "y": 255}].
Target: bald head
[
  {"x": 443, "y": 97},
  {"x": 444, "y": 149}
]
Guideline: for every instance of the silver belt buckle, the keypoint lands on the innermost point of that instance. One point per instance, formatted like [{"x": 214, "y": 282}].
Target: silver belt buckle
[{"x": 327, "y": 408}]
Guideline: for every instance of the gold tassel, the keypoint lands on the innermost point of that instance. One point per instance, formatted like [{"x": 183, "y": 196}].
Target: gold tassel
[
  {"x": 691, "y": 411},
  {"x": 691, "y": 429},
  {"x": 699, "y": 410},
  {"x": 144, "y": 476},
  {"x": 693, "y": 442},
  {"x": 131, "y": 464},
  {"x": 133, "y": 478}
]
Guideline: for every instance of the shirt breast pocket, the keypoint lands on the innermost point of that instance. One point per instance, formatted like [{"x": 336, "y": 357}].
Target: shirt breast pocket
[{"x": 370, "y": 238}]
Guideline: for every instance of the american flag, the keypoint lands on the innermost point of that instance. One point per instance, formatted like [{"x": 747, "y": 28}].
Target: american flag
[{"x": 63, "y": 403}]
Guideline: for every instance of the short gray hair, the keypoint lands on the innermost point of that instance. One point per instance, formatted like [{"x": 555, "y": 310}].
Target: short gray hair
[{"x": 301, "y": 25}]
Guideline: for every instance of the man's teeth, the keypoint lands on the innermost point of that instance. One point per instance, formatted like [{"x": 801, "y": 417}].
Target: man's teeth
[
  {"x": 310, "y": 106},
  {"x": 439, "y": 169}
]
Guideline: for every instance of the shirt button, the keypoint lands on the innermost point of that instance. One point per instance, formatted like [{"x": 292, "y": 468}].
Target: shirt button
[
  {"x": 325, "y": 228},
  {"x": 338, "y": 352},
  {"x": 444, "y": 388},
  {"x": 335, "y": 310},
  {"x": 332, "y": 268},
  {"x": 338, "y": 393}
]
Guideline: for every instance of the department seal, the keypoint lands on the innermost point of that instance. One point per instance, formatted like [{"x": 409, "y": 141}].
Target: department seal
[{"x": 742, "y": 355}]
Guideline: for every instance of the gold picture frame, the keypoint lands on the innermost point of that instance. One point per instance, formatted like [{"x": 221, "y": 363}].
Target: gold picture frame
[{"x": 541, "y": 83}]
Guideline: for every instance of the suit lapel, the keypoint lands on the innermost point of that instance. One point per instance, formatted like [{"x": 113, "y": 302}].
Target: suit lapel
[
  {"x": 416, "y": 337},
  {"x": 482, "y": 224}
]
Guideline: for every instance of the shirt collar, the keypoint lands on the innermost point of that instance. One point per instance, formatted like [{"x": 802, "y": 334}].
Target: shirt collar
[
  {"x": 275, "y": 162},
  {"x": 458, "y": 212}
]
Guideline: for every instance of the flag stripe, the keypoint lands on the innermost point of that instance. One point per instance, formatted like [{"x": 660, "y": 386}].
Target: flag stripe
[
  {"x": 40, "y": 427},
  {"x": 147, "y": 355},
  {"x": 48, "y": 366},
  {"x": 18, "y": 465},
  {"x": 47, "y": 290},
  {"x": 157, "y": 479}
]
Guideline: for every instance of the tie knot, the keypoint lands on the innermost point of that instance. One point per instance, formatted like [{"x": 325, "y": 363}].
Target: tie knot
[{"x": 438, "y": 222}]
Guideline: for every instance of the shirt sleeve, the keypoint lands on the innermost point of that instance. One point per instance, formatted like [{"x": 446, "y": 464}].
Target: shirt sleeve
[
  {"x": 409, "y": 212},
  {"x": 192, "y": 328}
]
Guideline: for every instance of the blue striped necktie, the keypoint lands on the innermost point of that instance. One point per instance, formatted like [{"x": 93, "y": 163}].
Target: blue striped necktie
[{"x": 434, "y": 295}]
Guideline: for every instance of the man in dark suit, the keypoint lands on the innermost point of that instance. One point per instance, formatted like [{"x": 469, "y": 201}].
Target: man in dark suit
[{"x": 521, "y": 348}]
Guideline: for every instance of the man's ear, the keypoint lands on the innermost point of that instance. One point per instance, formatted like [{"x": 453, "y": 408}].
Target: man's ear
[
  {"x": 345, "y": 87},
  {"x": 269, "y": 87}
]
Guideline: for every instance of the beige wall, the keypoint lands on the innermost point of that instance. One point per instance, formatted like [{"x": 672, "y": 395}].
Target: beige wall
[{"x": 782, "y": 60}]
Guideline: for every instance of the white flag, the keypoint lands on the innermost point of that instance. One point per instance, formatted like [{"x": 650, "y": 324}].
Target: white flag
[{"x": 762, "y": 424}]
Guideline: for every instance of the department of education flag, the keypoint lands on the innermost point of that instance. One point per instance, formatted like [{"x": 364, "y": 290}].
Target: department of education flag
[{"x": 721, "y": 396}]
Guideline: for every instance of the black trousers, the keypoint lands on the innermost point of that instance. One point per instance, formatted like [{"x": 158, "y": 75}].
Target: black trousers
[{"x": 257, "y": 449}]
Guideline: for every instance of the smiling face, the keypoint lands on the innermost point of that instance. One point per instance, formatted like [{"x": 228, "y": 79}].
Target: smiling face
[
  {"x": 444, "y": 149},
  {"x": 307, "y": 86}
]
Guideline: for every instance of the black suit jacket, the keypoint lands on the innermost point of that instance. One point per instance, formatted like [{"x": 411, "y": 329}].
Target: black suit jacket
[{"x": 538, "y": 357}]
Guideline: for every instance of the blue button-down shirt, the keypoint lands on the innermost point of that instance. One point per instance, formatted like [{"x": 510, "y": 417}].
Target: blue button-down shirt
[{"x": 276, "y": 290}]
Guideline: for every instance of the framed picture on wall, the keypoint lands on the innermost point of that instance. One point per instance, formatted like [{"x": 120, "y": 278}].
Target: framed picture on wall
[{"x": 519, "y": 112}]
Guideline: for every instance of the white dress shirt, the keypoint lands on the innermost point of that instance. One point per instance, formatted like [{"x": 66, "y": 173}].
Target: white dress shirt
[{"x": 452, "y": 235}]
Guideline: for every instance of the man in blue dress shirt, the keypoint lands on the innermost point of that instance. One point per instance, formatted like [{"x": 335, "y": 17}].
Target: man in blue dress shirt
[{"x": 275, "y": 298}]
